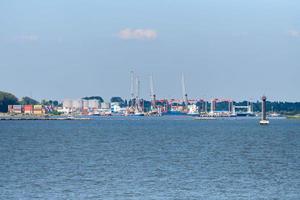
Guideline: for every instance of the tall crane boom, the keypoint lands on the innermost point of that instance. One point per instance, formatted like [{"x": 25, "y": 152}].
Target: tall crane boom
[
  {"x": 138, "y": 101},
  {"x": 185, "y": 96},
  {"x": 132, "y": 85},
  {"x": 137, "y": 87},
  {"x": 152, "y": 93}
]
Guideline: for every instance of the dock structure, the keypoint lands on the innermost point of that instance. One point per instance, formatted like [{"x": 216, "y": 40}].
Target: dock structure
[
  {"x": 221, "y": 113},
  {"x": 264, "y": 120},
  {"x": 22, "y": 117}
]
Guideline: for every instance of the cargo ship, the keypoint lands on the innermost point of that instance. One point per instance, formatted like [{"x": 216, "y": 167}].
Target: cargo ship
[
  {"x": 244, "y": 114},
  {"x": 174, "y": 112}
]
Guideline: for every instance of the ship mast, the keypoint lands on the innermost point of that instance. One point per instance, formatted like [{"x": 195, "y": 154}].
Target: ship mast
[
  {"x": 137, "y": 92},
  {"x": 153, "y": 96},
  {"x": 132, "y": 85}
]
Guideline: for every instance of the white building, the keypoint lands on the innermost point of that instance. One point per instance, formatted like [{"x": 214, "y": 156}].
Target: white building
[
  {"x": 77, "y": 104},
  {"x": 72, "y": 105},
  {"x": 80, "y": 104},
  {"x": 115, "y": 107},
  {"x": 67, "y": 104},
  {"x": 105, "y": 105},
  {"x": 64, "y": 110}
]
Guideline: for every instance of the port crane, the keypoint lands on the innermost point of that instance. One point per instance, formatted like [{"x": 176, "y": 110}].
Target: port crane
[
  {"x": 184, "y": 93},
  {"x": 136, "y": 106},
  {"x": 132, "y": 88},
  {"x": 152, "y": 93},
  {"x": 137, "y": 93}
]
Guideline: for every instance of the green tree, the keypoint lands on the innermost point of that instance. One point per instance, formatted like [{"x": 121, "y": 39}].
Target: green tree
[
  {"x": 7, "y": 99},
  {"x": 49, "y": 102},
  {"x": 100, "y": 99},
  {"x": 28, "y": 101},
  {"x": 117, "y": 99}
]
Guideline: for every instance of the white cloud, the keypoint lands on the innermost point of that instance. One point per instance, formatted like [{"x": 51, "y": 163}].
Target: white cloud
[
  {"x": 137, "y": 34},
  {"x": 294, "y": 33},
  {"x": 26, "y": 38}
]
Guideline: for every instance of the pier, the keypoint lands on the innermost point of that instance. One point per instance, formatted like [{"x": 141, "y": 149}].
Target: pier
[{"x": 40, "y": 118}]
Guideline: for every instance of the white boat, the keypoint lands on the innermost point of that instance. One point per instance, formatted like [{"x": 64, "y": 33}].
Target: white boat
[
  {"x": 274, "y": 114},
  {"x": 193, "y": 110},
  {"x": 134, "y": 114},
  {"x": 139, "y": 114},
  {"x": 193, "y": 114},
  {"x": 264, "y": 122},
  {"x": 205, "y": 118}
]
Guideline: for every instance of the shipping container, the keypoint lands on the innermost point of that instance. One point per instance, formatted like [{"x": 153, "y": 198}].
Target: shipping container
[
  {"x": 37, "y": 107},
  {"x": 10, "y": 108},
  {"x": 38, "y": 112},
  {"x": 17, "y": 107},
  {"x": 28, "y": 107}
]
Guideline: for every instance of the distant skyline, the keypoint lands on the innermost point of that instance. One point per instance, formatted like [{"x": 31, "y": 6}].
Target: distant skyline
[{"x": 226, "y": 49}]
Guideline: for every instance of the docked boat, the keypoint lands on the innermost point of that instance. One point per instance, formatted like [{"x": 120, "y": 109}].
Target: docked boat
[
  {"x": 205, "y": 118},
  {"x": 193, "y": 110},
  {"x": 274, "y": 114},
  {"x": 138, "y": 114},
  {"x": 173, "y": 112},
  {"x": 245, "y": 114},
  {"x": 264, "y": 122},
  {"x": 154, "y": 113}
]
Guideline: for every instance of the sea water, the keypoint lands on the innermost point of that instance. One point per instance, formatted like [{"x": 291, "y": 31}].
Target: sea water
[{"x": 150, "y": 158}]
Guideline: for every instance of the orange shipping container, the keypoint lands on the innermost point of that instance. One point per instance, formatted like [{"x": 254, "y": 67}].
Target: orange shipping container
[{"x": 38, "y": 112}]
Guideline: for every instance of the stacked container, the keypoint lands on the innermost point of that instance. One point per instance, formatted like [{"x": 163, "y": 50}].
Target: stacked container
[
  {"x": 17, "y": 109},
  {"x": 10, "y": 108},
  {"x": 28, "y": 109},
  {"x": 38, "y": 109}
]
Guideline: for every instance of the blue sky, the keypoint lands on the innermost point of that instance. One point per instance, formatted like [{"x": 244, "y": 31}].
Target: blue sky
[{"x": 72, "y": 48}]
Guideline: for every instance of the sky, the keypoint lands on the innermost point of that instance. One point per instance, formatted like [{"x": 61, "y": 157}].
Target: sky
[{"x": 237, "y": 49}]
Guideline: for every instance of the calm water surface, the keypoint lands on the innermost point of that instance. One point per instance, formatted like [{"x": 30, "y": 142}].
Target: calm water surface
[{"x": 150, "y": 158}]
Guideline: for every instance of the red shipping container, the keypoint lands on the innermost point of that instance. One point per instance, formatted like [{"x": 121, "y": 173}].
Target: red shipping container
[{"x": 28, "y": 108}]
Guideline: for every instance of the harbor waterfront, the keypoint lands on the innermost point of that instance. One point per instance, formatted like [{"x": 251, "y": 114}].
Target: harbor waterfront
[
  {"x": 170, "y": 157},
  {"x": 150, "y": 100},
  {"x": 138, "y": 106}
]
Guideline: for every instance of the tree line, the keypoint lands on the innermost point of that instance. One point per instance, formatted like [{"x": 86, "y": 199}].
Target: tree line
[{"x": 7, "y": 98}]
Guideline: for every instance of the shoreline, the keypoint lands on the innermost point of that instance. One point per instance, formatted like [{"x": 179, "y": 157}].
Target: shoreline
[{"x": 15, "y": 118}]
